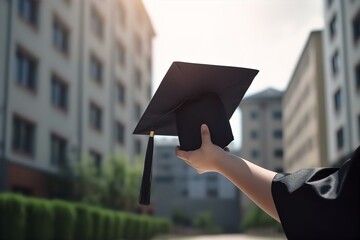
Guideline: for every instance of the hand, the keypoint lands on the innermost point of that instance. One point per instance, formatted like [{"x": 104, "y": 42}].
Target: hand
[{"x": 207, "y": 157}]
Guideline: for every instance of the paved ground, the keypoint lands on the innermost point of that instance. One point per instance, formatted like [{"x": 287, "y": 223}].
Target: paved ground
[{"x": 222, "y": 237}]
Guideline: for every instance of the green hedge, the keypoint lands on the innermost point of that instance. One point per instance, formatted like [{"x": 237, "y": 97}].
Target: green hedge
[{"x": 24, "y": 218}]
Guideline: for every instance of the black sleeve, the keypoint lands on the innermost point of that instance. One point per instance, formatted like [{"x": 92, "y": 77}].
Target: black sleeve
[{"x": 320, "y": 203}]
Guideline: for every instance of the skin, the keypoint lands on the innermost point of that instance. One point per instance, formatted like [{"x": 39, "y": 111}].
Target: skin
[{"x": 251, "y": 179}]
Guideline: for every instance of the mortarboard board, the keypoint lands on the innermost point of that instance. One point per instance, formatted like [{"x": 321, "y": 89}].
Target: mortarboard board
[{"x": 190, "y": 95}]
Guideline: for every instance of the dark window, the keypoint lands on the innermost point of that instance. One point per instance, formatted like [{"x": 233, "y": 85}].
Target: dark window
[
  {"x": 95, "y": 117},
  {"x": 254, "y": 154},
  {"x": 335, "y": 63},
  {"x": 120, "y": 93},
  {"x": 212, "y": 193},
  {"x": 340, "y": 138},
  {"x": 28, "y": 10},
  {"x": 337, "y": 100},
  {"x": 184, "y": 193},
  {"x": 164, "y": 179},
  {"x": 59, "y": 92},
  {"x": 26, "y": 69},
  {"x": 137, "y": 146},
  {"x": 137, "y": 109},
  {"x": 58, "y": 150},
  {"x": 329, "y": 2},
  {"x": 26, "y": 191},
  {"x": 277, "y": 115},
  {"x": 138, "y": 44},
  {"x": 359, "y": 127},
  {"x": 278, "y": 153},
  {"x": 120, "y": 133},
  {"x": 149, "y": 91},
  {"x": 357, "y": 77},
  {"x": 97, "y": 161},
  {"x": 96, "y": 69},
  {"x": 137, "y": 74},
  {"x": 254, "y": 134},
  {"x": 332, "y": 27},
  {"x": 253, "y": 115},
  {"x": 23, "y": 137},
  {"x": 277, "y": 134},
  {"x": 121, "y": 57},
  {"x": 97, "y": 23},
  {"x": 60, "y": 36},
  {"x": 356, "y": 27}
]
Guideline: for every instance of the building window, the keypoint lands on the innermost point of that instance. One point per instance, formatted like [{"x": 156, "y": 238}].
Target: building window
[
  {"x": 137, "y": 110},
  {"x": 337, "y": 100},
  {"x": 137, "y": 147},
  {"x": 278, "y": 153},
  {"x": 59, "y": 92},
  {"x": 277, "y": 115},
  {"x": 357, "y": 77},
  {"x": 164, "y": 179},
  {"x": 340, "y": 138},
  {"x": 120, "y": 93},
  {"x": 121, "y": 13},
  {"x": 120, "y": 52},
  {"x": 60, "y": 36},
  {"x": 95, "y": 116},
  {"x": 120, "y": 133},
  {"x": 97, "y": 161},
  {"x": 96, "y": 69},
  {"x": 356, "y": 27},
  {"x": 58, "y": 148},
  {"x": 23, "y": 136},
  {"x": 277, "y": 133},
  {"x": 332, "y": 27},
  {"x": 149, "y": 91},
  {"x": 97, "y": 23},
  {"x": 138, "y": 44},
  {"x": 26, "y": 69},
  {"x": 359, "y": 127},
  {"x": 254, "y": 134},
  {"x": 213, "y": 193},
  {"x": 335, "y": 63},
  {"x": 255, "y": 154},
  {"x": 253, "y": 115},
  {"x": 28, "y": 10},
  {"x": 329, "y": 3},
  {"x": 137, "y": 76}
]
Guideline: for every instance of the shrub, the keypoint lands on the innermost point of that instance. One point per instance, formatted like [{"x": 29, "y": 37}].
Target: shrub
[
  {"x": 257, "y": 218},
  {"x": 83, "y": 223},
  {"x": 64, "y": 220},
  {"x": 98, "y": 216},
  {"x": 12, "y": 217}
]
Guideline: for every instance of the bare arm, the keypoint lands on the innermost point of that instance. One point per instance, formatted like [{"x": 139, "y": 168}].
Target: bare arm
[{"x": 253, "y": 180}]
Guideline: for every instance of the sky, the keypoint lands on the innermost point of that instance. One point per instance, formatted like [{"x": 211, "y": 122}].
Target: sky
[{"x": 268, "y": 35}]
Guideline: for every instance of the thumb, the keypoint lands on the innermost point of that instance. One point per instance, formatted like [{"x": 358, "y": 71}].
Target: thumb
[
  {"x": 181, "y": 154},
  {"x": 205, "y": 135}
]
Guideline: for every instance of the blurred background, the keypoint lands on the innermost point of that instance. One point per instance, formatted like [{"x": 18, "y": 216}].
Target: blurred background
[{"x": 76, "y": 76}]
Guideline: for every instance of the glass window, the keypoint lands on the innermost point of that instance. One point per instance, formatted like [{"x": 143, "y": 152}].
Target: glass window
[
  {"x": 26, "y": 69},
  {"x": 97, "y": 161},
  {"x": 254, "y": 134},
  {"x": 96, "y": 69},
  {"x": 333, "y": 27},
  {"x": 28, "y": 10},
  {"x": 277, "y": 115},
  {"x": 278, "y": 153},
  {"x": 137, "y": 146},
  {"x": 335, "y": 63},
  {"x": 60, "y": 36},
  {"x": 277, "y": 134},
  {"x": 120, "y": 133},
  {"x": 253, "y": 115},
  {"x": 59, "y": 92},
  {"x": 337, "y": 100},
  {"x": 97, "y": 23},
  {"x": 340, "y": 138},
  {"x": 57, "y": 150},
  {"x": 356, "y": 27},
  {"x": 255, "y": 154},
  {"x": 357, "y": 77},
  {"x": 120, "y": 89},
  {"x": 95, "y": 117},
  {"x": 23, "y": 136}
]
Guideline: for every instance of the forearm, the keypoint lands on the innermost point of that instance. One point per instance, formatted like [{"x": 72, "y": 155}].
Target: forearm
[{"x": 251, "y": 179}]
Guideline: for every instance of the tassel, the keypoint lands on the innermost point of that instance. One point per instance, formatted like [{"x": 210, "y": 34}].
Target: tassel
[{"x": 144, "y": 198}]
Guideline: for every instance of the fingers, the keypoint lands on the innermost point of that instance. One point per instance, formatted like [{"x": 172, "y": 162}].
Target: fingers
[
  {"x": 181, "y": 154},
  {"x": 205, "y": 135}
]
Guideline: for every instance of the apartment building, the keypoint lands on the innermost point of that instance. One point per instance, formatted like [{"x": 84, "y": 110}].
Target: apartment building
[
  {"x": 177, "y": 187},
  {"x": 341, "y": 41},
  {"x": 304, "y": 115},
  {"x": 76, "y": 78},
  {"x": 262, "y": 134}
]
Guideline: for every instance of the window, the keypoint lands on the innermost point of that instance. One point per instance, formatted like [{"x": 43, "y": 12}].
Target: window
[
  {"x": 277, "y": 115},
  {"x": 97, "y": 23},
  {"x": 26, "y": 69},
  {"x": 121, "y": 13},
  {"x": 137, "y": 111},
  {"x": 23, "y": 136},
  {"x": 278, "y": 153},
  {"x": 164, "y": 179},
  {"x": 356, "y": 27},
  {"x": 254, "y": 134},
  {"x": 137, "y": 74},
  {"x": 95, "y": 117},
  {"x": 96, "y": 69},
  {"x": 28, "y": 10},
  {"x": 121, "y": 57},
  {"x": 59, "y": 92},
  {"x": 60, "y": 36},
  {"x": 277, "y": 133},
  {"x": 120, "y": 133},
  {"x": 335, "y": 63},
  {"x": 329, "y": 2},
  {"x": 212, "y": 193},
  {"x": 357, "y": 77},
  {"x": 254, "y": 154},
  {"x": 333, "y": 27},
  {"x": 337, "y": 100},
  {"x": 97, "y": 160},
  {"x": 149, "y": 91},
  {"x": 359, "y": 127},
  {"x": 253, "y": 115},
  {"x": 58, "y": 148},
  {"x": 340, "y": 138},
  {"x": 137, "y": 146},
  {"x": 120, "y": 93},
  {"x": 138, "y": 44}
]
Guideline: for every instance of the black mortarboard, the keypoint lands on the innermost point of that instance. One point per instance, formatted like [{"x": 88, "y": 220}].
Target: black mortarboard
[{"x": 188, "y": 96}]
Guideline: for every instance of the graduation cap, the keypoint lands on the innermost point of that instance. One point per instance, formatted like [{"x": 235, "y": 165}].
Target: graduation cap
[{"x": 190, "y": 95}]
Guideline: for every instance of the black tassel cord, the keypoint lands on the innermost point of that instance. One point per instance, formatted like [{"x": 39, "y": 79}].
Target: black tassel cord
[{"x": 144, "y": 198}]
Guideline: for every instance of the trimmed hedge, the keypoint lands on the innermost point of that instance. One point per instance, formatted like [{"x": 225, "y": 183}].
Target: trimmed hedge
[{"x": 24, "y": 218}]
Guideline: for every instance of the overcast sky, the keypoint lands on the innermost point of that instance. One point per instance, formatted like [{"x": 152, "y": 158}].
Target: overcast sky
[{"x": 268, "y": 35}]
